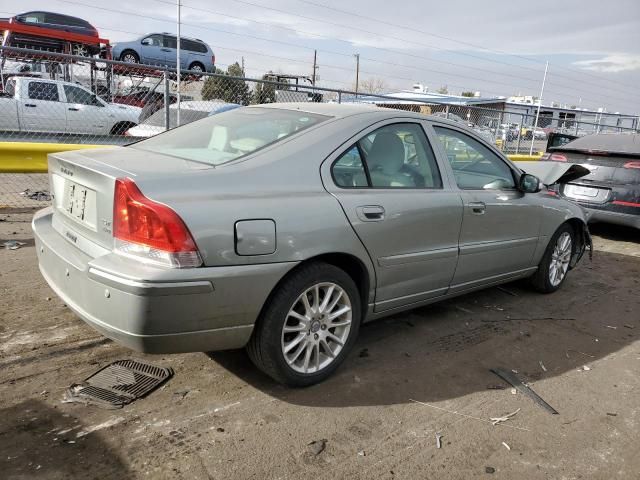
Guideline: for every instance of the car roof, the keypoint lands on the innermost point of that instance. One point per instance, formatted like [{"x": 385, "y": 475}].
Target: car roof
[
  {"x": 605, "y": 142},
  {"x": 169, "y": 34},
  {"x": 53, "y": 13}
]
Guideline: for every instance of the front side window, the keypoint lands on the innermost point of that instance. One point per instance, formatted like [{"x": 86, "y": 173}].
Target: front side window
[
  {"x": 230, "y": 135},
  {"x": 474, "y": 165},
  {"x": 43, "y": 91},
  {"x": 394, "y": 156},
  {"x": 79, "y": 95},
  {"x": 153, "y": 41}
]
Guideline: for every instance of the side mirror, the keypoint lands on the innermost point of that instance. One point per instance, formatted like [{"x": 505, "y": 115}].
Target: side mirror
[
  {"x": 146, "y": 41},
  {"x": 529, "y": 183}
]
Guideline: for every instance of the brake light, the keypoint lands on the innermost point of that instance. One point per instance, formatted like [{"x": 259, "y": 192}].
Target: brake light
[
  {"x": 557, "y": 157},
  {"x": 632, "y": 165},
  {"x": 150, "y": 231}
]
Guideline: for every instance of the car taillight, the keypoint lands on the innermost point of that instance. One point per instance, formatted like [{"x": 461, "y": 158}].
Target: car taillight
[
  {"x": 150, "y": 231},
  {"x": 632, "y": 165},
  {"x": 557, "y": 157}
]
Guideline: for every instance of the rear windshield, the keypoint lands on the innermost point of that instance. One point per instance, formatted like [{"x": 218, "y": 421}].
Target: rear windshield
[
  {"x": 186, "y": 116},
  {"x": 230, "y": 135}
]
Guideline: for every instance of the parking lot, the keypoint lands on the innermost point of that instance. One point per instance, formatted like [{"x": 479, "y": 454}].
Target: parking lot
[{"x": 410, "y": 377}]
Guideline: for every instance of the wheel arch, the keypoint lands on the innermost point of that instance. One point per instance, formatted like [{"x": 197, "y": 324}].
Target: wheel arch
[
  {"x": 349, "y": 263},
  {"x": 583, "y": 239},
  {"x": 119, "y": 128}
]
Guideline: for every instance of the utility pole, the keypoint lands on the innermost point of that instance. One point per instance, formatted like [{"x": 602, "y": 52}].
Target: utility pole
[
  {"x": 178, "y": 66},
  {"x": 535, "y": 125},
  {"x": 243, "y": 74},
  {"x": 315, "y": 67},
  {"x": 357, "y": 55}
]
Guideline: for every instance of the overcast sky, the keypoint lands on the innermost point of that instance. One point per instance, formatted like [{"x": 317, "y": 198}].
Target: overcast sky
[{"x": 495, "y": 47}]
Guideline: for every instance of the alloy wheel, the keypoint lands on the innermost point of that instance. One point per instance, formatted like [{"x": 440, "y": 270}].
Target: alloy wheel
[
  {"x": 560, "y": 259},
  {"x": 316, "y": 328},
  {"x": 130, "y": 58}
]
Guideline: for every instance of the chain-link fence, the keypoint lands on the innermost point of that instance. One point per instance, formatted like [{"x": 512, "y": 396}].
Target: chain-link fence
[{"x": 51, "y": 97}]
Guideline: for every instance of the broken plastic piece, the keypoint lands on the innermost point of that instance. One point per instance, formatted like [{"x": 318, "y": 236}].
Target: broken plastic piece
[
  {"x": 438, "y": 440},
  {"x": 499, "y": 420},
  {"x": 517, "y": 383}
]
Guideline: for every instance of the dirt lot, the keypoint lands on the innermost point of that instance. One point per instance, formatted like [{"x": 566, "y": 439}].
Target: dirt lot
[{"x": 218, "y": 418}]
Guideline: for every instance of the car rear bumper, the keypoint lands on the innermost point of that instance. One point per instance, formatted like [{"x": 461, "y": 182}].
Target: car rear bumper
[
  {"x": 598, "y": 215},
  {"x": 144, "y": 308}
]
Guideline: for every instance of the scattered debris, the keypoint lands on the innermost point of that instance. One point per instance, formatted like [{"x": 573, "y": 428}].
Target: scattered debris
[
  {"x": 582, "y": 353},
  {"x": 13, "y": 244},
  {"x": 626, "y": 325},
  {"x": 39, "y": 195},
  {"x": 499, "y": 420},
  {"x": 407, "y": 354},
  {"x": 612, "y": 414},
  {"x": 496, "y": 387},
  {"x": 453, "y": 412},
  {"x": 220, "y": 429},
  {"x": 48, "y": 299},
  {"x": 489, "y": 470},
  {"x": 364, "y": 353},
  {"x": 544, "y": 369},
  {"x": 514, "y": 391},
  {"x": 438, "y": 440},
  {"x": 585, "y": 368},
  {"x": 109, "y": 423},
  {"x": 317, "y": 446},
  {"x": 118, "y": 384},
  {"x": 508, "y": 292},
  {"x": 506, "y": 446},
  {"x": 362, "y": 453},
  {"x": 613, "y": 328},
  {"x": 517, "y": 383}
]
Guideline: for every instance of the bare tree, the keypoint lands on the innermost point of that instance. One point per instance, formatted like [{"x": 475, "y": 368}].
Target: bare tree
[
  {"x": 373, "y": 85},
  {"x": 443, "y": 89}
]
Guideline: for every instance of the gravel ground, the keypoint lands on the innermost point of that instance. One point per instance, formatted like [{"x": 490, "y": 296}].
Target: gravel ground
[{"x": 219, "y": 418}]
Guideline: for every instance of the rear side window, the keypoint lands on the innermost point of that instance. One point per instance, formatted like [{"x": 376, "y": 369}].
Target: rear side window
[
  {"x": 192, "y": 46},
  {"x": 78, "y": 95},
  {"x": 394, "y": 156},
  {"x": 170, "y": 42},
  {"x": 43, "y": 91}
]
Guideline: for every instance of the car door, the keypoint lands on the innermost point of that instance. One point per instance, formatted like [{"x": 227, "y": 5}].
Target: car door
[
  {"x": 500, "y": 225},
  {"x": 170, "y": 51},
  {"x": 41, "y": 109},
  {"x": 389, "y": 185},
  {"x": 152, "y": 50},
  {"x": 85, "y": 112}
]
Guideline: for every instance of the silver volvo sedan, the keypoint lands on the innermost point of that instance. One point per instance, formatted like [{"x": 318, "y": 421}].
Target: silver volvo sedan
[{"x": 282, "y": 228}]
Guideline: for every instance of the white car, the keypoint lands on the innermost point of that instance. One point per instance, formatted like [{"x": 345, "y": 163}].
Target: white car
[
  {"x": 52, "y": 106},
  {"x": 190, "y": 111}
]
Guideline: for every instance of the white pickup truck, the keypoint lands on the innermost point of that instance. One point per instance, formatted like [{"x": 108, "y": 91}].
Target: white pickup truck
[{"x": 52, "y": 106}]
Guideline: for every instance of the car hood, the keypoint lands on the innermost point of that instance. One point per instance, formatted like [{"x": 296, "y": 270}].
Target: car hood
[
  {"x": 126, "y": 108},
  {"x": 143, "y": 130},
  {"x": 554, "y": 172}
]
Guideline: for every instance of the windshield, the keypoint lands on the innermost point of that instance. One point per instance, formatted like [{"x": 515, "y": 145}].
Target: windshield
[{"x": 230, "y": 135}]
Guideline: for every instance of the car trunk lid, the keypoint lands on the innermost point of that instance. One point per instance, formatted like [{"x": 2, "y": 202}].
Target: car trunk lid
[{"x": 82, "y": 183}]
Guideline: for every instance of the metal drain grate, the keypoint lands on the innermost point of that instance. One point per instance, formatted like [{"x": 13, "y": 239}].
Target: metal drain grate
[{"x": 118, "y": 384}]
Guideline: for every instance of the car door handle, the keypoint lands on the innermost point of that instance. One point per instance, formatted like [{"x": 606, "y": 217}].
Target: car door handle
[
  {"x": 370, "y": 213},
  {"x": 478, "y": 208},
  {"x": 31, "y": 105},
  {"x": 72, "y": 109},
  {"x": 165, "y": 49}
]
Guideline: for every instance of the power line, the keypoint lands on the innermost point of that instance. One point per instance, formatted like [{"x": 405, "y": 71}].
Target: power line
[{"x": 460, "y": 42}]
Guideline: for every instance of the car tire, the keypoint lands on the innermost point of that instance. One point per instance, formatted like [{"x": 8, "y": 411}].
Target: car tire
[
  {"x": 554, "y": 266},
  {"x": 129, "y": 56},
  {"x": 295, "y": 341},
  {"x": 197, "y": 67}
]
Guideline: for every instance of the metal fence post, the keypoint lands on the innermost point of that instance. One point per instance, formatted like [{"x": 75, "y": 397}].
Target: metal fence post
[
  {"x": 339, "y": 97},
  {"x": 167, "y": 99},
  {"x": 519, "y": 133},
  {"x": 446, "y": 110}
]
